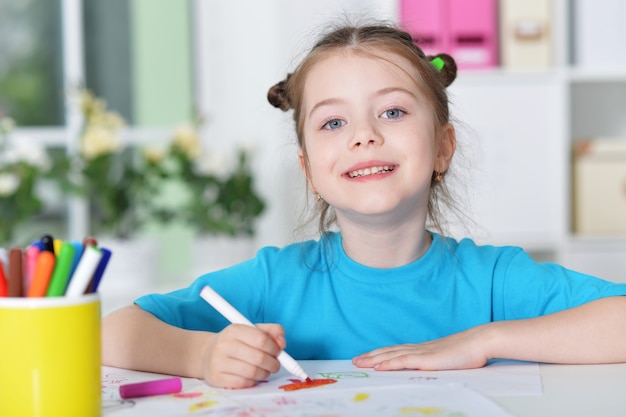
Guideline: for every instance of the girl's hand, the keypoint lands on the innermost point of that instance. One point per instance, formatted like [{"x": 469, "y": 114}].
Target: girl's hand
[
  {"x": 463, "y": 350},
  {"x": 241, "y": 355}
]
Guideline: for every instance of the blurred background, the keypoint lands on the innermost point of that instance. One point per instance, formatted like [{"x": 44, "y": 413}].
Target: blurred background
[{"x": 145, "y": 123}]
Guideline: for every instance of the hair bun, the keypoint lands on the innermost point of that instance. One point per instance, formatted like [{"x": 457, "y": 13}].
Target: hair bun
[
  {"x": 449, "y": 69},
  {"x": 277, "y": 96}
]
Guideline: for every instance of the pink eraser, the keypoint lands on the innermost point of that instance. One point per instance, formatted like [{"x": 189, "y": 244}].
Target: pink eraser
[{"x": 145, "y": 389}]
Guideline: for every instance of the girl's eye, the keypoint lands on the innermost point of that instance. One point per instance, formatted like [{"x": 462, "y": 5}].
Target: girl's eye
[
  {"x": 333, "y": 124},
  {"x": 392, "y": 114}
]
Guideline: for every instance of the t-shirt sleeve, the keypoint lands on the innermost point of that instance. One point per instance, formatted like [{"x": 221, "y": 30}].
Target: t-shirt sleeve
[
  {"x": 524, "y": 288},
  {"x": 241, "y": 285}
]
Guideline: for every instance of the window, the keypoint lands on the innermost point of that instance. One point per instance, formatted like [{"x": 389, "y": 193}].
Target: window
[
  {"x": 31, "y": 66},
  {"x": 135, "y": 54}
]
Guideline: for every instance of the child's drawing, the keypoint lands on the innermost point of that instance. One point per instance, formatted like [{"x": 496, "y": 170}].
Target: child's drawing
[
  {"x": 351, "y": 393},
  {"x": 296, "y": 384},
  {"x": 344, "y": 375}
]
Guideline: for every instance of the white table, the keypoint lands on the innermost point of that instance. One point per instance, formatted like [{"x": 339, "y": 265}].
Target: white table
[
  {"x": 566, "y": 390},
  {"x": 574, "y": 391}
]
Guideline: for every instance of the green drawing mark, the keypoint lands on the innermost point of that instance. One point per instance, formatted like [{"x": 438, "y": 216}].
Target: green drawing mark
[{"x": 344, "y": 375}]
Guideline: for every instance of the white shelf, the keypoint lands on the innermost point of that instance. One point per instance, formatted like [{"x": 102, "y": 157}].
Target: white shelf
[
  {"x": 593, "y": 75},
  {"x": 523, "y": 124},
  {"x": 568, "y": 74}
]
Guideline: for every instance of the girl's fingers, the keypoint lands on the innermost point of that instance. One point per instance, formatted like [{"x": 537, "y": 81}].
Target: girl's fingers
[{"x": 242, "y": 355}]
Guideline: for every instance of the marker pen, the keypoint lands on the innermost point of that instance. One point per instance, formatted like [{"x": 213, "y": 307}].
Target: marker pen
[
  {"x": 62, "y": 269},
  {"x": 16, "y": 272},
  {"x": 48, "y": 243},
  {"x": 97, "y": 276},
  {"x": 84, "y": 271},
  {"x": 145, "y": 389},
  {"x": 42, "y": 274},
  {"x": 4, "y": 283},
  {"x": 39, "y": 244},
  {"x": 234, "y": 316},
  {"x": 58, "y": 245},
  {"x": 90, "y": 241},
  {"x": 78, "y": 252},
  {"x": 32, "y": 253}
]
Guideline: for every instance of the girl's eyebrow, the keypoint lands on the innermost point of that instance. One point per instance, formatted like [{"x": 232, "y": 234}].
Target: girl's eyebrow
[
  {"x": 390, "y": 90},
  {"x": 381, "y": 92},
  {"x": 326, "y": 102}
]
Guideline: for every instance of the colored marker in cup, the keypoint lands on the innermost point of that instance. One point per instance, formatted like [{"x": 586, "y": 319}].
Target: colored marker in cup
[
  {"x": 4, "y": 282},
  {"x": 62, "y": 270},
  {"x": 42, "y": 274},
  {"x": 87, "y": 265},
  {"x": 16, "y": 272}
]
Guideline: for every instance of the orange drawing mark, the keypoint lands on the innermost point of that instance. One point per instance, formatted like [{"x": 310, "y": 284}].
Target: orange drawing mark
[
  {"x": 188, "y": 395},
  {"x": 309, "y": 383}
]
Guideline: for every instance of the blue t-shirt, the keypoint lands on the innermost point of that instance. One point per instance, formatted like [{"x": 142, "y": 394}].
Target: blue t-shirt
[{"x": 334, "y": 308}]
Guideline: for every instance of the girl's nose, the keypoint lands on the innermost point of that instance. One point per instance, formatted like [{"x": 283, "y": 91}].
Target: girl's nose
[{"x": 365, "y": 135}]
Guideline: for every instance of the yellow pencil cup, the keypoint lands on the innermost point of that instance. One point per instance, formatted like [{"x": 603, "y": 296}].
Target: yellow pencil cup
[{"x": 50, "y": 357}]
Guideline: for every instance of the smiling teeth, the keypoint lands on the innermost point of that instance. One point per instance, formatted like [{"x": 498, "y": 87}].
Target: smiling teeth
[{"x": 370, "y": 171}]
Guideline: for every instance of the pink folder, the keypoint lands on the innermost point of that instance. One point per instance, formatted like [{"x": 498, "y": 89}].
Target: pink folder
[
  {"x": 467, "y": 30},
  {"x": 473, "y": 32},
  {"x": 426, "y": 21}
]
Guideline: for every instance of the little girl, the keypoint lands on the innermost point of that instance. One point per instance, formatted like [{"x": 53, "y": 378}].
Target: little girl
[{"x": 387, "y": 291}]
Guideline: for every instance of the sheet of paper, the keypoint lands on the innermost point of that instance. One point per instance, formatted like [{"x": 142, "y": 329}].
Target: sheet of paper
[
  {"x": 390, "y": 401},
  {"x": 195, "y": 396},
  {"x": 357, "y": 392},
  {"x": 499, "y": 378}
]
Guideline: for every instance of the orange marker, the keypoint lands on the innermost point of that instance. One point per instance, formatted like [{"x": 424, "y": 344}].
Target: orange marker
[{"x": 42, "y": 274}]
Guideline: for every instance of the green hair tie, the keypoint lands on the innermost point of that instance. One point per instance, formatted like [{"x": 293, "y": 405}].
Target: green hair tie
[{"x": 437, "y": 63}]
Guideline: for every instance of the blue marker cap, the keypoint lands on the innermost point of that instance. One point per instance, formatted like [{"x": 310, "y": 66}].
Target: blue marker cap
[{"x": 39, "y": 245}]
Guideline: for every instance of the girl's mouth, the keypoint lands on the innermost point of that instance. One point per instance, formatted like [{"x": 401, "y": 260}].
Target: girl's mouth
[{"x": 371, "y": 171}]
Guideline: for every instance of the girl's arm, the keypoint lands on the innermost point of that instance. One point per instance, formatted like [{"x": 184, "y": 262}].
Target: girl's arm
[
  {"x": 591, "y": 333},
  {"x": 236, "y": 357}
]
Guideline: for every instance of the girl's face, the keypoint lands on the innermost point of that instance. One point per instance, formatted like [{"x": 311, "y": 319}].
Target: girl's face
[{"x": 370, "y": 137}]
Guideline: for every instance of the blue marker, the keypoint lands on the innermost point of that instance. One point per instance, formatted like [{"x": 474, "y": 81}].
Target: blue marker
[
  {"x": 78, "y": 252},
  {"x": 97, "y": 276},
  {"x": 39, "y": 245}
]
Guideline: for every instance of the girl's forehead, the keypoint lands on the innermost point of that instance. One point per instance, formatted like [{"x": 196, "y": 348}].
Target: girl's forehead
[
  {"x": 371, "y": 67},
  {"x": 368, "y": 56}
]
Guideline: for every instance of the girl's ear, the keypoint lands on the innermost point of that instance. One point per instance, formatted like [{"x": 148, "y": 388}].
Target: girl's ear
[
  {"x": 305, "y": 170},
  {"x": 302, "y": 162},
  {"x": 445, "y": 148}
]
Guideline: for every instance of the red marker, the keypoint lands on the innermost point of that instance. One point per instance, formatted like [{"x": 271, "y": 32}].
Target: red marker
[{"x": 4, "y": 284}]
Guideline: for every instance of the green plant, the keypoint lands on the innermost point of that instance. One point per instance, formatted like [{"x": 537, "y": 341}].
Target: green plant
[
  {"x": 103, "y": 170},
  {"x": 22, "y": 165},
  {"x": 199, "y": 189},
  {"x": 181, "y": 182}
]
